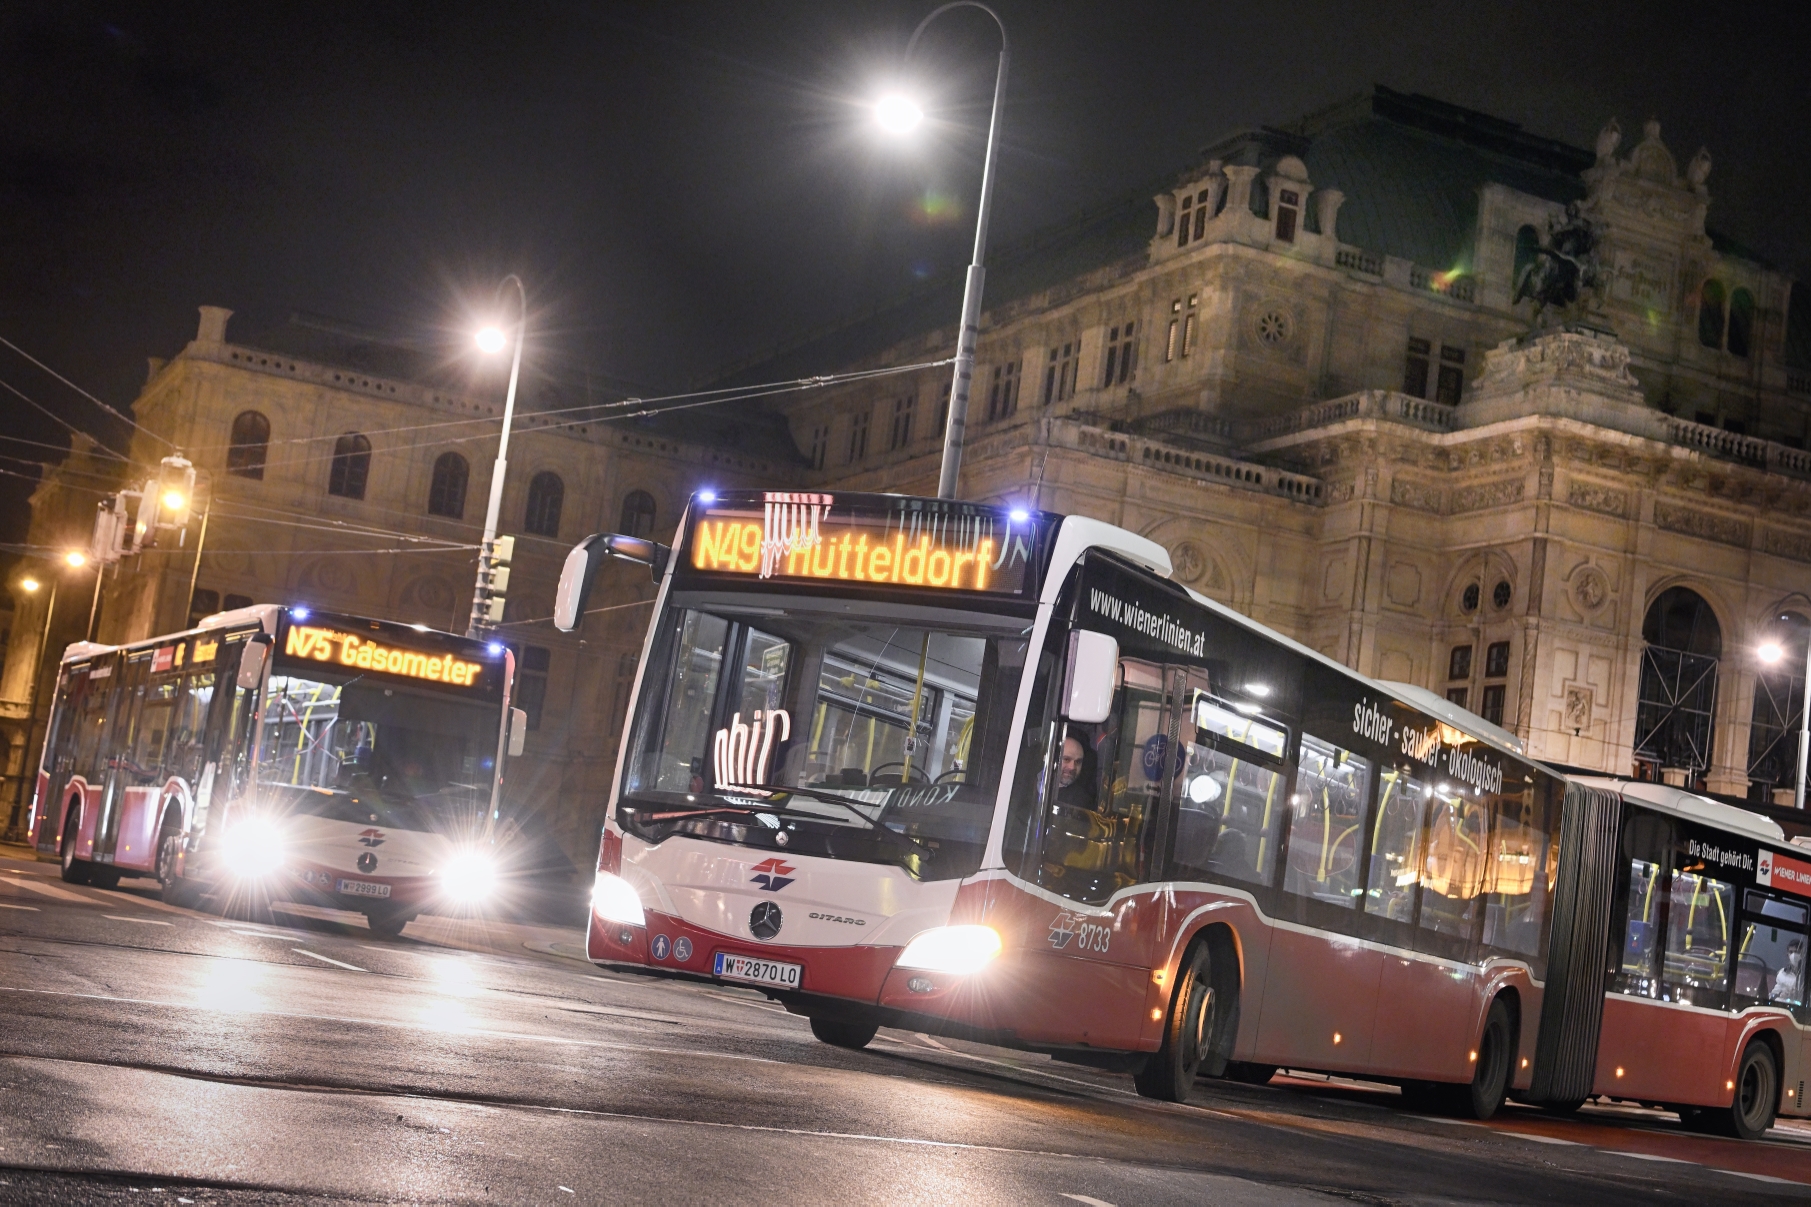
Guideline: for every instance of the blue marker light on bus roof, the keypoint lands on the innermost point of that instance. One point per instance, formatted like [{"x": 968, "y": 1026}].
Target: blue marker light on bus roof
[
  {"x": 707, "y": 496},
  {"x": 1018, "y": 515},
  {"x": 299, "y": 613},
  {"x": 495, "y": 648}
]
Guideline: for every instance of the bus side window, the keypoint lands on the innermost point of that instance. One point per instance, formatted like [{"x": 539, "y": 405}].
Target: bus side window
[
  {"x": 1517, "y": 885},
  {"x": 1770, "y": 964},
  {"x": 151, "y": 730},
  {"x": 1638, "y": 971},
  {"x": 1229, "y": 817},
  {"x": 1109, "y": 781},
  {"x": 1698, "y": 930},
  {"x": 1452, "y": 862},
  {"x": 1326, "y": 829},
  {"x": 190, "y": 726},
  {"x": 91, "y": 723},
  {"x": 68, "y": 722},
  {"x": 1396, "y": 835}
]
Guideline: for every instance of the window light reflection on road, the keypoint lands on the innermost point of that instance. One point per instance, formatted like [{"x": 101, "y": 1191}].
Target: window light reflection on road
[
  {"x": 454, "y": 976},
  {"x": 229, "y": 984}
]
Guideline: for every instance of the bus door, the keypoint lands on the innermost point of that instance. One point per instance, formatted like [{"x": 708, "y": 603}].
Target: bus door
[
  {"x": 1099, "y": 844},
  {"x": 123, "y": 784},
  {"x": 52, "y": 787}
]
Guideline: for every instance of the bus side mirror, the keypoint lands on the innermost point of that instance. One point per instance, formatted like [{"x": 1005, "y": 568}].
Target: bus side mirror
[
  {"x": 251, "y": 664},
  {"x": 1088, "y": 682},
  {"x": 583, "y": 563},
  {"x": 518, "y": 732}
]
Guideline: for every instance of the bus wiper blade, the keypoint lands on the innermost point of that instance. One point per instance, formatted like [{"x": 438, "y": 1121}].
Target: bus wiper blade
[{"x": 855, "y": 810}]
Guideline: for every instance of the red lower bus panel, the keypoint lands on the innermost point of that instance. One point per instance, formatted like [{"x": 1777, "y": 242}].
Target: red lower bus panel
[
  {"x": 1660, "y": 1052},
  {"x": 1428, "y": 1019},
  {"x": 134, "y": 844},
  {"x": 1319, "y": 999}
]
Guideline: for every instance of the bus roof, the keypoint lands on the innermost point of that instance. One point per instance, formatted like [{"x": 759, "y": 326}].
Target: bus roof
[{"x": 1689, "y": 805}]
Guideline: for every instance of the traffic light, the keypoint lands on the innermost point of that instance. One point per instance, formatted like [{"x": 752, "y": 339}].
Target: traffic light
[
  {"x": 496, "y": 584},
  {"x": 175, "y": 492}
]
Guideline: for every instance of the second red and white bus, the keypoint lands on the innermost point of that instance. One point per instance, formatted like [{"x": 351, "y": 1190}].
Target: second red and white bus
[
  {"x": 279, "y": 753},
  {"x": 988, "y": 772}
]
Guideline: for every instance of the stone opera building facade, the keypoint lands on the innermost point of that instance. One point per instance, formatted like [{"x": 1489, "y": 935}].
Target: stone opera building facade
[{"x": 1453, "y": 403}]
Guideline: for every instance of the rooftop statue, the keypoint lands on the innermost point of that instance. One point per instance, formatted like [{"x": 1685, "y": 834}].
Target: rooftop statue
[{"x": 1564, "y": 270}]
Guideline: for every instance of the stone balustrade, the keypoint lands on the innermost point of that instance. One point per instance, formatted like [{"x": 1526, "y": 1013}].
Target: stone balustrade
[
  {"x": 1366, "y": 404},
  {"x": 1744, "y": 450},
  {"x": 1205, "y": 467}
]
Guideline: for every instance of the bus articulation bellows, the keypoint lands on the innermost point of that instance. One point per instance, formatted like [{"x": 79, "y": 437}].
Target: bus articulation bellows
[{"x": 988, "y": 772}]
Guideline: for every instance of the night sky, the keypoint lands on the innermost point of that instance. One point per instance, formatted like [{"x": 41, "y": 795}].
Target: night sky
[{"x": 685, "y": 184}]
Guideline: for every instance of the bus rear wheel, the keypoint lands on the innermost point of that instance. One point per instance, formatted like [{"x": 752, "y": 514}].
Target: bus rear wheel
[
  {"x": 1169, "y": 1074},
  {"x": 1756, "y": 1099},
  {"x": 840, "y": 1034},
  {"x": 1490, "y": 1075},
  {"x": 75, "y": 871}
]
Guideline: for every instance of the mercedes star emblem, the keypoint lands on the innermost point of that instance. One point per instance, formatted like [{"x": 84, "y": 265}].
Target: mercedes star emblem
[
  {"x": 367, "y": 862},
  {"x": 764, "y": 920}
]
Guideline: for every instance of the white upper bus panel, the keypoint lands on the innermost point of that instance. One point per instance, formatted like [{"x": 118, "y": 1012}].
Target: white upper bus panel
[
  {"x": 1689, "y": 805},
  {"x": 1080, "y": 534},
  {"x": 1436, "y": 705}
]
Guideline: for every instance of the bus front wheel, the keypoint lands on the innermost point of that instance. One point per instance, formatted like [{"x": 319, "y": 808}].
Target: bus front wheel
[
  {"x": 844, "y": 1034},
  {"x": 388, "y": 922},
  {"x": 75, "y": 871},
  {"x": 1170, "y": 1072},
  {"x": 1756, "y": 1099}
]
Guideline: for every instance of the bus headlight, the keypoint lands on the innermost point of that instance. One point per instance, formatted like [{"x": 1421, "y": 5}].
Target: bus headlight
[
  {"x": 953, "y": 949},
  {"x": 469, "y": 877},
  {"x": 615, "y": 900},
  {"x": 252, "y": 847}
]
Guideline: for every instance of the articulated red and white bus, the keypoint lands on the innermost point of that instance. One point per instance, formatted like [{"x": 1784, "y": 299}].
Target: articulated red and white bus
[
  {"x": 278, "y": 753},
  {"x": 986, "y": 772}
]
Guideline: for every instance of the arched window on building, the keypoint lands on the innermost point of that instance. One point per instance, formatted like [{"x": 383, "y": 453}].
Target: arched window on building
[
  {"x": 638, "y": 514},
  {"x": 1678, "y": 683},
  {"x": 1741, "y": 322},
  {"x": 1710, "y": 314},
  {"x": 351, "y": 466},
  {"x": 250, "y": 442},
  {"x": 446, "y": 496},
  {"x": 1779, "y": 695},
  {"x": 546, "y": 494},
  {"x": 1527, "y": 255}
]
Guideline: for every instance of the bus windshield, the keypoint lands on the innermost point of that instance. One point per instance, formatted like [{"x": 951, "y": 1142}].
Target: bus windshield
[
  {"x": 893, "y": 734},
  {"x": 372, "y": 752}
]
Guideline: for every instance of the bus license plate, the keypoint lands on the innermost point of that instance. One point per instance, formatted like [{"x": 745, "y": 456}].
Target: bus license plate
[
  {"x": 762, "y": 972},
  {"x": 363, "y": 888}
]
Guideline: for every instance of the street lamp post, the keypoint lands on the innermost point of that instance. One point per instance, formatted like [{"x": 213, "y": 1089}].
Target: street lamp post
[
  {"x": 491, "y": 340},
  {"x": 31, "y": 585},
  {"x": 898, "y": 115},
  {"x": 1771, "y": 653}
]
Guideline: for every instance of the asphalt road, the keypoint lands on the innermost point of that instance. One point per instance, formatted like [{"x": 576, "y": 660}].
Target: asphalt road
[{"x": 150, "y": 1054}]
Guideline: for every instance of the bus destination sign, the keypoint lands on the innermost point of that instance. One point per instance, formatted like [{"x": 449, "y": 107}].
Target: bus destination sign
[
  {"x": 808, "y": 536},
  {"x": 350, "y": 649}
]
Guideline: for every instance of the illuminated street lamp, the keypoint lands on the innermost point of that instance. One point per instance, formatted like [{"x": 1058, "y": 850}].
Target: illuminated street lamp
[
  {"x": 491, "y": 340},
  {"x": 899, "y": 115},
  {"x": 31, "y": 585},
  {"x": 1772, "y": 653}
]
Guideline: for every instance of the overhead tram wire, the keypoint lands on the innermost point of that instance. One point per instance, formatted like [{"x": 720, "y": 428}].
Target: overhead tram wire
[
  {"x": 56, "y": 418},
  {"x": 117, "y": 414},
  {"x": 648, "y": 406}
]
